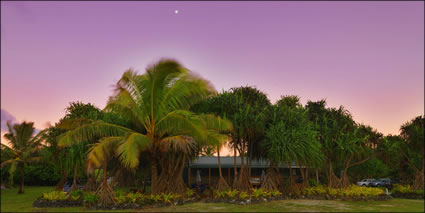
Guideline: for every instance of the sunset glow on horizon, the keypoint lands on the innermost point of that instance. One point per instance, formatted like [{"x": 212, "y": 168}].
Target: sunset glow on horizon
[{"x": 366, "y": 56}]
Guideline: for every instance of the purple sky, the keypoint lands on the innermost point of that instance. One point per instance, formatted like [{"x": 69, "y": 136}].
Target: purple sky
[{"x": 367, "y": 56}]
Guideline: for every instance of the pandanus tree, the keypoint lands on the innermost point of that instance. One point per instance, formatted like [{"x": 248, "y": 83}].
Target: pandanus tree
[
  {"x": 344, "y": 142},
  {"x": 413, "y": 145},
  {"x": 78, "y": 114},
  {"x": 23, "y": 147},
  {"x": 155, "y": 106},
  {"x": 290, "y": 137},
  {"x": 248, "y": 110},
  {"x": 246, "y": 107},
  {"x": 56, "y": 156},
  {"x": 218, "y": 106}
]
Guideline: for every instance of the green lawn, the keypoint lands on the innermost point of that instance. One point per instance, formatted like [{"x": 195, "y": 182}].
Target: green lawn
[{"x": 12, "y": 202}]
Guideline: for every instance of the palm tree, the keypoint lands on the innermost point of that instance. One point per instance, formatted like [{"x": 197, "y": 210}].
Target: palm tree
[
  {"x": 24, "y": 148},
  {"x": 155, "y": 106}
]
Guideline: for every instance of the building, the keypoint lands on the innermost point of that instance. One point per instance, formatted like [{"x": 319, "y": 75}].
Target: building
[{"x": 208, "y": 169}]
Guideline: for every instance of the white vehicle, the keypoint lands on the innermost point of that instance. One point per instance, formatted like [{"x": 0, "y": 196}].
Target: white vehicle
[{"x": 366, "y": 182}]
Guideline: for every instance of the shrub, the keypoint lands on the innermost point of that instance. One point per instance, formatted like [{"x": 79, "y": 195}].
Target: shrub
[
  {"x": 332, "y": 191},
  {"x": 155, "y": 198},
  {"x": 189, "y": 192},
  {"x": 419, "y": 191},
  {"x": 313, "y": 182},
  {"x": 167, "y": 198},
  {"x": 243, "y": 195},
  {"x": 276, "y": 193},
  {"x": 90, "y": 198},
  {"x": 121, "y": 198},
  {"x": 219, "y": 194},
  {"x": 119, "y": 193},
  {"x": 257, "y": 193},
  {"x": 133, "y": 197},
  {"x": 232, "y": 193},
  {"x": 175, "y": 197},
  {"x": 55, "y": 195},
  {"x": 350, "y": 191},
  {"x": 397, "y": 188},
  {"x": 266, "y": 194},
  {"x": 76, "y": 194},
  {"x": 315, "y": 190}
]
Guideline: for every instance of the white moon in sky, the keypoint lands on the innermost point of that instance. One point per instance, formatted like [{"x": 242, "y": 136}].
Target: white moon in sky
[{"x": 176, "y": 11}]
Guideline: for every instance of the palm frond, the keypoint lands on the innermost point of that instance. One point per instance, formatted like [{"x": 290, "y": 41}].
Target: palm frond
[
  {"x": 182, "y": 122},
  {"x": 88, "y": 132},
  {"x": 131, "y": 147},
  {"x": 101, "y": 151}
]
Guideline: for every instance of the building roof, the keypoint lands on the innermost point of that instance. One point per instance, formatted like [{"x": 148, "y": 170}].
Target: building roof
[{"x": 228, "y": 162}]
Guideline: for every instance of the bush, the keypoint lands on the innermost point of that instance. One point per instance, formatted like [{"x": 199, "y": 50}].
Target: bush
[
  {"x": 257, "y": 193},
  {"x": 315, "y": 190},
  {"x": 266, "y": 194},
  {"x": 155, "y": 198},
  {"x": 55, "y": 195},
  {"x": 276, "y": 193},
  {"x": 90, "y": 198},
  {"x": 313, "y": 182},
  {"x": 170, "y": 197},
  {"x": 351, "y": 191},
  {"x": 219, "y": 194},
  {"x": 134, "y": 197},
  {"x": 121, "y": 199},
  {"x": 141, "y": 199},
  {"x": 41, "y": 174},
  {"x": 398, "y": 188},
  {"x": 243, "y": 195},
  {"x": 76, "y": 194},
  {"x": 232, "y": 193},
  {"x": 189, "y": 192}
]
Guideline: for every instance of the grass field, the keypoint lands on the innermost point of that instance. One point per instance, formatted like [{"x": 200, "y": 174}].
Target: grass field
[{"x": 12, "y": 202}]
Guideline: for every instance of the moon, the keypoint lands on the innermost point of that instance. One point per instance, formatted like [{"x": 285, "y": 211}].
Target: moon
[{"x": 176, "y": 11}]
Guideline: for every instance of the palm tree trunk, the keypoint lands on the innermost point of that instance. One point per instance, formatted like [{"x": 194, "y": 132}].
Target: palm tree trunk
[
  {"x": 74, "y": 181},
  {"x": 317, "y": 176},
  {"x": 219, "y": 162},
  {"x": 250, "y": 158},
  {"x": 104, "y": 182},
  {"x": 290, "y": 174},
  {"x": 154, "y": 184},
  {"x": 234, "y": 157},
  {"x": 21, "y": 187}
]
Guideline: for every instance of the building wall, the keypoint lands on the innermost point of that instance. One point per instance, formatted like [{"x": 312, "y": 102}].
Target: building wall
[{"x": 255, "y": 172}]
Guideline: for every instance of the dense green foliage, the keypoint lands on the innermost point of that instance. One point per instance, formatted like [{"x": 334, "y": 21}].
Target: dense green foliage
[
  {"x": 155, "y": 122},
  {"x": 41, "y": 174},
  {"x": 405, "y": 189}
]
